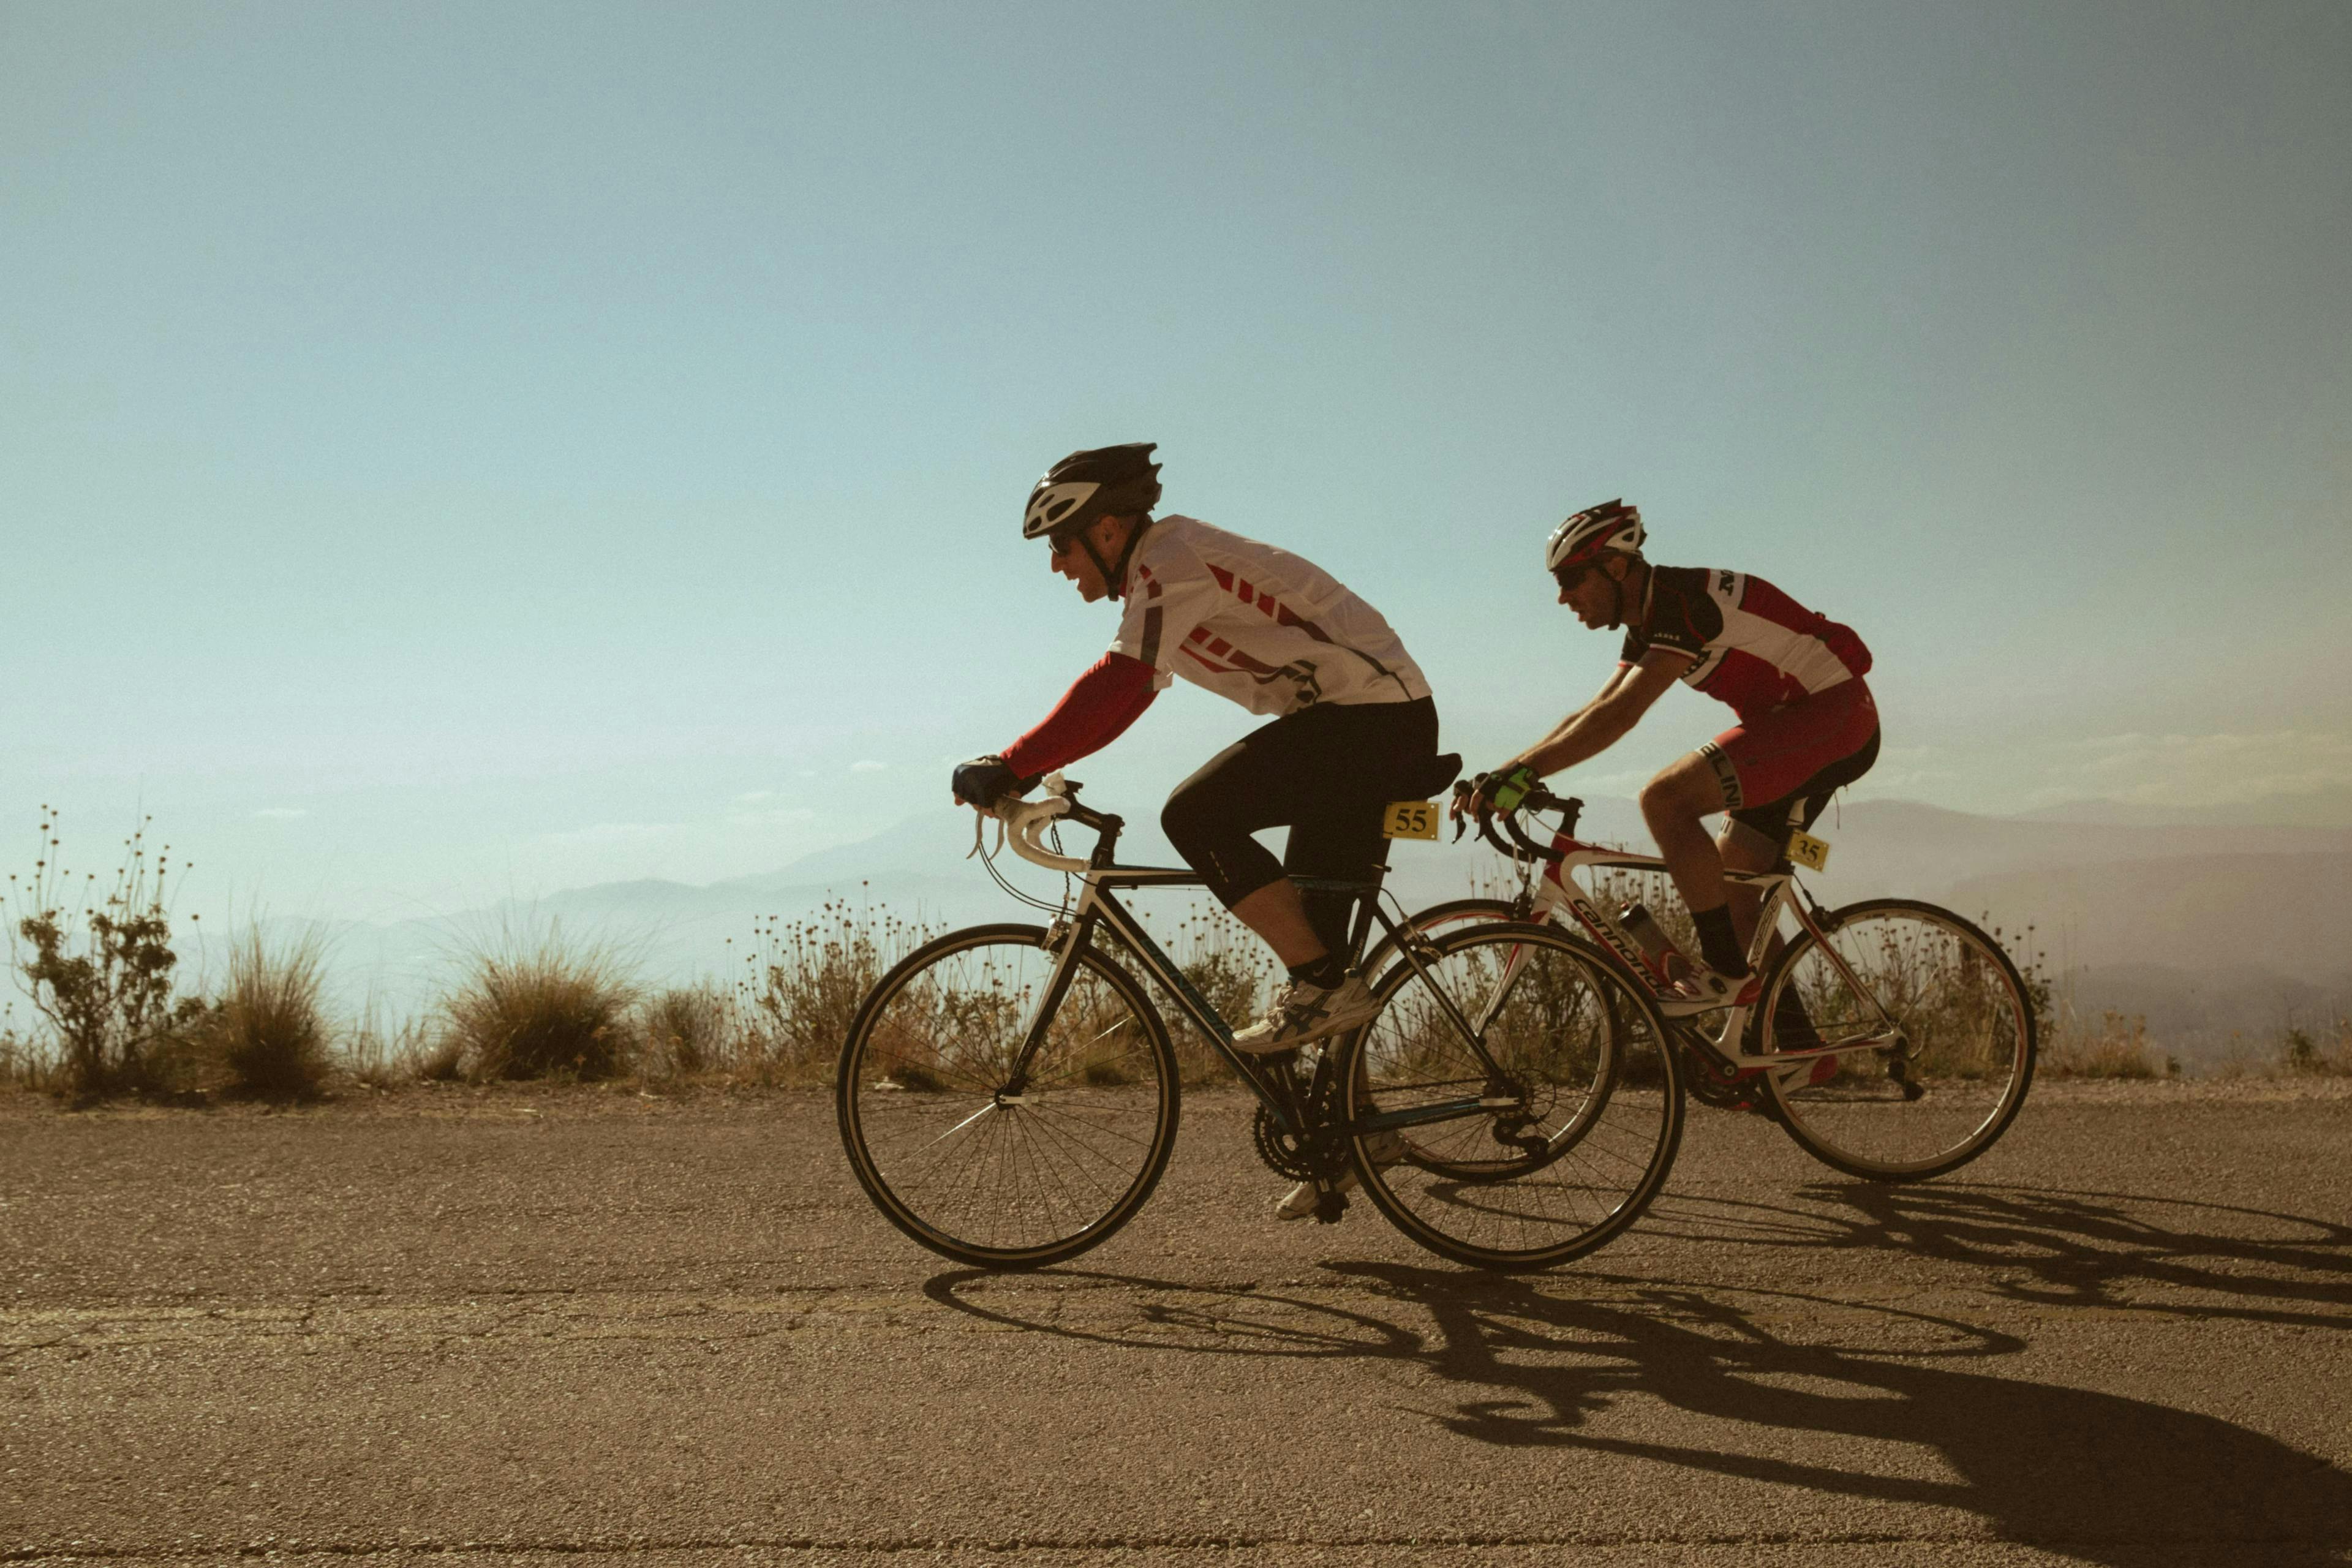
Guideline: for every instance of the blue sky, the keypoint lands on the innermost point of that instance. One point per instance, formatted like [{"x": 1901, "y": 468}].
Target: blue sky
[{"x": 452, "y": 450}]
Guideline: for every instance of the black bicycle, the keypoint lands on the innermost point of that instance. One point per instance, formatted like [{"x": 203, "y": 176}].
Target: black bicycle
[{"x": 1009, "y": 1094}]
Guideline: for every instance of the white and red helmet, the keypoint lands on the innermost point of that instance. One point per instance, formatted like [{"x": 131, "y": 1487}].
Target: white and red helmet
[{"x": 1591, "y": 534}]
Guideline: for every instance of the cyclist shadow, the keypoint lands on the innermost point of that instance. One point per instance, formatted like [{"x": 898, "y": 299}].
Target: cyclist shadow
[
  {"x": 2096, "y": 1476},
  {"x": 2052, "y": 1247}
]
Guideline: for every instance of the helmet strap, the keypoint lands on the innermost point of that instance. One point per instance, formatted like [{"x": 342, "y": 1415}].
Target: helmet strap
[
  {"x": 1617, "y": 614},
  {"x": 1117, "y": 580}
]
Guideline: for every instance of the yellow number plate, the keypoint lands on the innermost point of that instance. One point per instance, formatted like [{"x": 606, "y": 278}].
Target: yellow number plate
[
  {"x": 1806, "y": 850},
  {"x": 1409, "y": 819}
]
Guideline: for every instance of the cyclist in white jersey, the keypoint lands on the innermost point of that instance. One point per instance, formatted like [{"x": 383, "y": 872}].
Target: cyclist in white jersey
[{"x": 1354, "y": 722}]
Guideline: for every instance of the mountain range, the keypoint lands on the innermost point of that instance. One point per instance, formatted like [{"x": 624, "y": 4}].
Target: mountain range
[{"x": 2203, "y": 928}]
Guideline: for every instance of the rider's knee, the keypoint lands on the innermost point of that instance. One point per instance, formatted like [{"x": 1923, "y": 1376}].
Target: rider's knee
[
  {"x": 1663, "y": 800},
  {"x": 1179, "y": 819}
]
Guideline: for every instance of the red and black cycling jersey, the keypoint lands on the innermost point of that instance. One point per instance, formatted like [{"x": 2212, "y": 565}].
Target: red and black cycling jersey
[{"x": 1752, "y": 646}]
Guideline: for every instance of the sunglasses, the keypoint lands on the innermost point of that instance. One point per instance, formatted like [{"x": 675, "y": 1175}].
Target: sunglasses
[{"x": 1569, "y": 577}]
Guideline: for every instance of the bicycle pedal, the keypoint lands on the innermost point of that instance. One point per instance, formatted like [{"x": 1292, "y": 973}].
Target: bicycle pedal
[{"x": 1329, "y": 1207}]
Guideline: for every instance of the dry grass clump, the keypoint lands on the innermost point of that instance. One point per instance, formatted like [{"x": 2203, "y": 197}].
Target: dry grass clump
[
  {"x": 27, "y": 1061},
  {"x": 536, "y": 1008},
  {"x": 383, "y": 1053},
  {"x": 267, "y": 1027},
  {"x": 689, "y": 1031},
  {"x": 2119, "y": 1047}
]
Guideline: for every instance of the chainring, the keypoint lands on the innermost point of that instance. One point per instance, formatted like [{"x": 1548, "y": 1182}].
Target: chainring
[
  {"x": 1709, "y": 1086},
  {"x": 1287, "y": 1155}
]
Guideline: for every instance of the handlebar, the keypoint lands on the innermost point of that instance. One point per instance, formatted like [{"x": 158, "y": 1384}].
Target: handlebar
[
  {"x": 1026, "y": 819},
  {"x": 1523, "y": 847}
]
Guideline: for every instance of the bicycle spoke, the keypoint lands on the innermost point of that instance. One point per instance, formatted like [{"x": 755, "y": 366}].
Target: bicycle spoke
[
  {"x": 1028, "y": 1177},
  {"x": 1598, "y": 1109}
]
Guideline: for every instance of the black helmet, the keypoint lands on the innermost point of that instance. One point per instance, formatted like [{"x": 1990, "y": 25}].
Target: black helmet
[{"x": 1106, "y": 481}]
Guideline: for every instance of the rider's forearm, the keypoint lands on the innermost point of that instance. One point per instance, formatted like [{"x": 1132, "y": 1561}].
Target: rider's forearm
[
  {"x": 1581, "y": 737},
  {"x": 1092, "y": 714}
]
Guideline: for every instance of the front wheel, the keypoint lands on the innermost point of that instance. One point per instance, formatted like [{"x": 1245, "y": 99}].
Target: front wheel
[
  {"x": 1550, "y": 1144},
  {"x": 972, "y": 1155},
  {"x": 1943, "y": 1034},
  {"x": 1435, "y": 922}
]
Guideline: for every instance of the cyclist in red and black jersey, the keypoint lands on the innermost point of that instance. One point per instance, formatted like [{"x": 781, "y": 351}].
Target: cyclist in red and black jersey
[{"x": 1806, "y": 724}]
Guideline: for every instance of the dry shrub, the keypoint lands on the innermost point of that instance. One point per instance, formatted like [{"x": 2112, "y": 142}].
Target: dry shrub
[
  {"x": 688, "y": 1031},
  {"x": 97, "y": 962},
  {"x": 535, "y": 1007},
  {"x": 2119, "y": 1047},
  {"x": 2323, "y": 1050},
  {"x": 267, "y": 1026},
  {"x": 807, "y": 979}
]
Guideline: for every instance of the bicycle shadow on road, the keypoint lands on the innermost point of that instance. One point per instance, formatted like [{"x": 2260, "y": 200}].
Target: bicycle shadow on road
[
  {"x": 1624, "y": 1366},
  {"x": 2051, "y": 1246}
]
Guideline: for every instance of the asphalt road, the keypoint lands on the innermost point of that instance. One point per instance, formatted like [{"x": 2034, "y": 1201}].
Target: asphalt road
[{"x": 459, "y": 1327}]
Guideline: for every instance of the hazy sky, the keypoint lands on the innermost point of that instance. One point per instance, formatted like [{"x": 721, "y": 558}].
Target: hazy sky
[{"x": 450, "y": 450}]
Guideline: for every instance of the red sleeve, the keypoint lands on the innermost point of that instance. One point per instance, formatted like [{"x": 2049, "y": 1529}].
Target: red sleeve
[{"x": 1092, "y": 714}]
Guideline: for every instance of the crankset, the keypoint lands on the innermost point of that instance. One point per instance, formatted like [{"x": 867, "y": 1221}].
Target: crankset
[
  {"x": 1710, "y": 1083},
  {"x": 1315, "y": 1155}
]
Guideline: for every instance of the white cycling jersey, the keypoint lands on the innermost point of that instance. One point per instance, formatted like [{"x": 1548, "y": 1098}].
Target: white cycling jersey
[{"x": 1271, "y": 630}]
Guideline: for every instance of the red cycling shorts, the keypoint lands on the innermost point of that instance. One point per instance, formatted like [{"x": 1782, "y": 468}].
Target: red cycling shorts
[{"x": 1779, "y": 768}]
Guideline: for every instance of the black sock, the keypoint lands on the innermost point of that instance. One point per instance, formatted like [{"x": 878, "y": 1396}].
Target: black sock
[
  {"x": 1327, "y": 971},
  {"x": 1718, "y": 944}
]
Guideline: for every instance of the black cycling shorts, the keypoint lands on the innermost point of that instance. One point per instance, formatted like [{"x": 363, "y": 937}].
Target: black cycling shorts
[{"x": 1325, "y": 772}]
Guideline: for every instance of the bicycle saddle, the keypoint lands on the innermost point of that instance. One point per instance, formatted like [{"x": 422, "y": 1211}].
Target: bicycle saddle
[{"x": 1437, "y": 774}]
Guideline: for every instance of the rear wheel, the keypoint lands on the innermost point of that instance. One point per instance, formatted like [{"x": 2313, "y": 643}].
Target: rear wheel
[
  {"x": 1948, "y": 1029},
  {"x": 1574, "y": 1139},
  {"x": 974, "y": 1165}
]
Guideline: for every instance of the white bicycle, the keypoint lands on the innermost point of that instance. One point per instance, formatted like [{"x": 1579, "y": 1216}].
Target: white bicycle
[{"x": 1893, "y": 1039}]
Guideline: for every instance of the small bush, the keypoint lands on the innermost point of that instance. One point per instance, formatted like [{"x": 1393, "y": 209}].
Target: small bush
[
  {"x": 2117, "y": 1048},
  {"x": 688, "y": 1031},
  {"x": 2320, "y": 1051},
  {"x": 807, "y": 979},
  {"x": 268, "y": 1024},
  {"x": 98, "y": 964},
  {"x": 529, "y": 1009}
]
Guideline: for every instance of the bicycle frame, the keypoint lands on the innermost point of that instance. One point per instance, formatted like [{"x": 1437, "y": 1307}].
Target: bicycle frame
[
  {"x": 1559, "y": 896},
  {"x": 1098, "y": 906}
]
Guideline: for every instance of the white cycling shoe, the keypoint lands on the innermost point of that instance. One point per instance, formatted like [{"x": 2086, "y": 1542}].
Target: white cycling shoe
[
  {"x": 1388, "y": 1148},
  {"x": 1301, "y": 1012},
  {"x": 1702, "y": 989}
]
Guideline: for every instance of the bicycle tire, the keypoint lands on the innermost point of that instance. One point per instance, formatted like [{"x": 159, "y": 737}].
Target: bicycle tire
[
  {"x": 1967, "y": 1041},
  {"x": 1608, "y": 1112},
  {"x": 1437, "y": 918},
  {"x": 976, "y": 1176}
]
